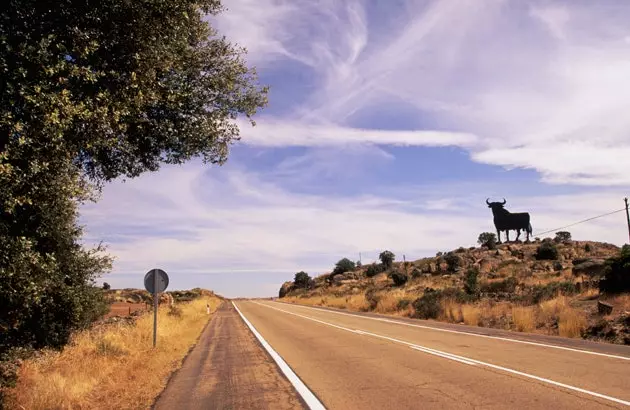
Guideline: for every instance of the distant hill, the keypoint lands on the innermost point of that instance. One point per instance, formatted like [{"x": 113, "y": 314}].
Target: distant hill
[{"x": 544, "y": 286}]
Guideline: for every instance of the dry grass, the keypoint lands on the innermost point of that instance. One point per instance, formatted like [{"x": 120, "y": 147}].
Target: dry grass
[
  {"x": 471, "y": 315},
  {"x": 388, "y": 301},
  {"x": 524, "y": 318},
  {"x": 112, "y": 367},
  {"x": 571, "y": 322},
  {"x": 451, "y": 311}
]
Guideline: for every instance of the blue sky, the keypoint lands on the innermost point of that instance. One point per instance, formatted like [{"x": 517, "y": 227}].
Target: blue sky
[{"x": 389, "y": 124}]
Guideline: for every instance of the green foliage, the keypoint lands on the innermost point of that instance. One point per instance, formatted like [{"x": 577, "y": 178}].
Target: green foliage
[
  {"x": 344, "y": 265},
  {"x": 587, "y": 247},
  {"x": 453, "y": 261},
  {"x": 387, "y": 259},
  {"x": 302, "y": 280},
  {"x": 461, "y": 249},
  {"x": 403, "y": 304},
  {"x": 399, "y": 278},
  {"x": 541, "y": 293},
  {"x": 416, "y": 273},
  {"x": 617, "y": 275},
  {"x": 471, "y": 285},
  {"x": 507, "y": 285},
  {"x": 92, "y": 91},
  {"x": 487, "y": 239},
  {"x": 374, "y": 269},
  {"x": 546, "y": 251},
  {"x": 562, "y": 236},
  {"x": 428, "y": 305},
  {"x": 106, "y": 286}
]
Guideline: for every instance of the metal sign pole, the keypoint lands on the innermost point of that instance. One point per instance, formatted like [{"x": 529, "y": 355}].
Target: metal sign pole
[
  {"x": 155, "y": 307},
  {"x": 627, "y": 215}
]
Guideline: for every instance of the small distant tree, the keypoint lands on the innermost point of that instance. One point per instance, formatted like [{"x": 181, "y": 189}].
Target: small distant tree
[
  {"x": 106, "y": 286},
  {"x": 471, "y": 284},
  {"x": 344, "y": 265},
  {"x": 453, "y": 261},
  {"x": 399, "y": 278},
  {"x": 562, "y": 236},
  {"x": 374, "y": 269},
  {"x": 547, "y": 251},
  {"x": 302, "y": 280},
  {"x": 387, "y": 258},
  {"x": 487, "y": 239},
  {"x": 617, "y": 275}
]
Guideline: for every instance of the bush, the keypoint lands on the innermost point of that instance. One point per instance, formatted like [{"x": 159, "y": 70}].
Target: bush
[
  {"x": 617, "y": 275},
  {"x": 453, "y": 261},
  {"x": 372, "y": 298},
  {"x": 438, "y": 254},
  {"x": 507, "y": 285},
  {"x": 399, "y": 278},
  {"x": 387, "y": 259},
  {"x": 416, "y": 273},
  {"x": 106, "y": 286},
  {"x": 344, "y": 265},
  {"x": 562, "y": 236},
  {"x": 403, "y": 304},
  {"x": 374, "y": 269},
  {"x": 302, "y": 280},
  {"x": 461, "y": 249},
  {"x": 544, "y": 292},
  {"x": 557, "y": 266},
  {"x": 428, "y": 305},
  {"x": 587, "y": 247},
  {"x": 471, "y": 285},
  {"x": 175, "y": 310},
  {"x": 546, "y": 251},
  {"x": 487, "y": 239}
]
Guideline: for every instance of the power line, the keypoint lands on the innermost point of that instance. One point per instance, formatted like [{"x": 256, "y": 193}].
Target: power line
[{"x": 579, "y": 222}]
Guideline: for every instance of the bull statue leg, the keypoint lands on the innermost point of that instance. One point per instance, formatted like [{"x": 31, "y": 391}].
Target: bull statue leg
[
  {"x": 507, "y": 236},
  {"x": 498, "y": 236},
  {"x": 518, "y": 235}
]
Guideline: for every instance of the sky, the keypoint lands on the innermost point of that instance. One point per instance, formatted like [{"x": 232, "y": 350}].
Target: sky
[{"x": 389, "y": 124}]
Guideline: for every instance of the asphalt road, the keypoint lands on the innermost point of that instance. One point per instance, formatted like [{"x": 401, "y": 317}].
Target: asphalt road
[
  {"x": 364, "y": 362},
  {"x": 228, "y": 369}
]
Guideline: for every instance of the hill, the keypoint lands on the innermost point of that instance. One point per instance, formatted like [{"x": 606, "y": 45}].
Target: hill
[{"x": 545, "y": 286}]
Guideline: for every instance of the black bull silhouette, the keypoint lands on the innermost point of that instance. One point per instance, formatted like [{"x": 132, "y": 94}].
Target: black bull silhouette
[{"x": 506, "y": 221}]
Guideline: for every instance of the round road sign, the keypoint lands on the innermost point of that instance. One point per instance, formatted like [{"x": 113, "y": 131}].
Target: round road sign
[{"x": 154, "y": 286}]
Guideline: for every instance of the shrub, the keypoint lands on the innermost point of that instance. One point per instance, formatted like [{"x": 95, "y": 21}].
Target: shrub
[
  {"x": 372, "y": 298},
  {"x": 344, "y": 265},
  {"x": 546, "y": 251},
  {"x": 374, "y": 269},
  {"x": 302, "y": 280},
  {"x": 428, "y": 305},
  {"x": 471, "y": 285},
  {"x": 557, "y": 266},
  {"x": 387, "y": 258},
  {"x": 562, "y": 236},
  {"x": 403, "y": 304},
  {"x": 507, "y": 285},
  {"x": 438, "y": 254},
  {"x": 617, "y": 274},
  {"x": 106, "y": 286},
  {"x": 399, "y": 278},
  {"x": 453, "y": 261},
  {"x": 461, "y": 249},
  {"x": 487, "y": 239},
  {"x": 416, "y": 273},
  {"x": 551, "y": 290},
  {"x": 175, "y": 310},
  {"x": 587, "y": 247}
]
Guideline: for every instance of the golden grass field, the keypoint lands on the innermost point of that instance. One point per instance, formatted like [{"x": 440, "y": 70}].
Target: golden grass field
[{"x": 112, "y": 366}]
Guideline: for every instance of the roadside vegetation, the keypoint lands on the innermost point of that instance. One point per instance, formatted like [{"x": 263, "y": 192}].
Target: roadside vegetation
[
  {"x": 112, "y": 365},
  {"x": 555, "y": 286}
]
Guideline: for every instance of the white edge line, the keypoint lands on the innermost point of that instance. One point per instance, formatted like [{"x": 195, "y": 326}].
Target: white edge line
[
  {"x": 462, "y": 359},
  {"x": 311, "y": 401},
  {"x": 462, "y": 332}
]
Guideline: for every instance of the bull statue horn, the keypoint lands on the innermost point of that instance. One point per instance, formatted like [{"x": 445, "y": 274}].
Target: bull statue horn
[
  {"x": 488, "y": 201},
  {"x": 504, "y": 201}
]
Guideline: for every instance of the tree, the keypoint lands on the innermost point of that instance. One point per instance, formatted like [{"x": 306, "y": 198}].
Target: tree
[
  {"x": 387, "y": 258},
  {"x": 374, "y": 269},
  {"x": 344, "y": 265},
  {"x": 617, "y": 274},
  {"x": 106, "y": 286},
  {"x": 562, "y": 236},
  {"x": 399, "y": 278},
  {"x": 453, "y": 261},
  {"x": 546, "y": 251},
  {"x": 92, "y": 91},
  {"x": 487, "y": 239},
  {"x": 471, "y": 285},
  {"x": 302, "y": 280}
]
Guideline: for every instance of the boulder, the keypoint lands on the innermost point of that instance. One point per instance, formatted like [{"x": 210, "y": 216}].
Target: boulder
[{"x": 604, "y": 308}]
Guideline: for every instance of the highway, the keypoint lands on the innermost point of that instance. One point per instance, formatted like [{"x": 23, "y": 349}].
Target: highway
[{"x": 354, "y": 361}]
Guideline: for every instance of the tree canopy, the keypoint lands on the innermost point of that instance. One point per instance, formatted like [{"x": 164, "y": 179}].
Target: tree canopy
[{"x": 91, "y": 91}]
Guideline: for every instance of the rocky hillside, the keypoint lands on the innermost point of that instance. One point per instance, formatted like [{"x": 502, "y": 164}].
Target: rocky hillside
[{"x": 544, "y": 286}]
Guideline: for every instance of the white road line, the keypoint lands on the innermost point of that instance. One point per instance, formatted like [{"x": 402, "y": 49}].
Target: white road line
[
  {"x": 308, "y": 396},
  {"x": 458, "y": 358},
  {"x": 463, "y": 333}
]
